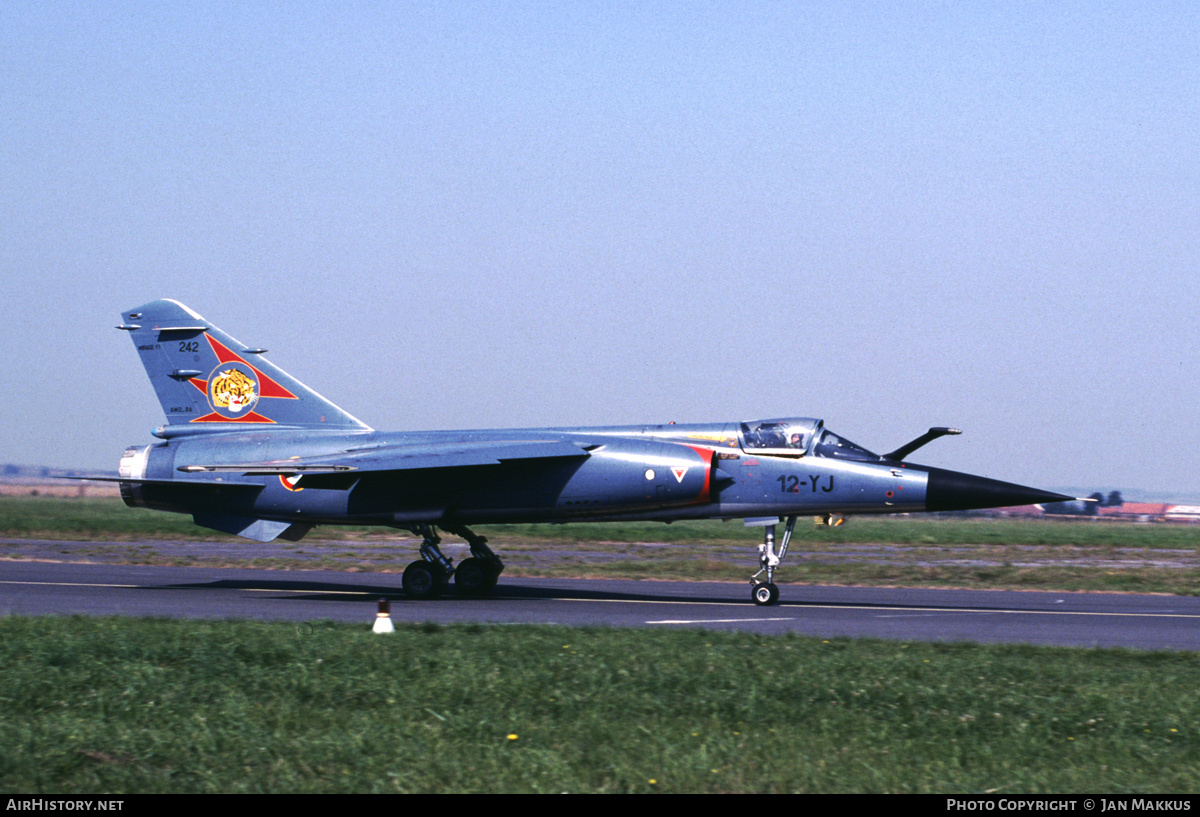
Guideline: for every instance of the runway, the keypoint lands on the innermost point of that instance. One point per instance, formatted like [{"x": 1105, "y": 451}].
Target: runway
[{"x": 1069, "y": 619}]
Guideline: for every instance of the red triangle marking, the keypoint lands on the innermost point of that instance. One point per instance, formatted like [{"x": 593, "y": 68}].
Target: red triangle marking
[
  {"x": 213, "y": 417},
  {"x": 266, "y": 386}
]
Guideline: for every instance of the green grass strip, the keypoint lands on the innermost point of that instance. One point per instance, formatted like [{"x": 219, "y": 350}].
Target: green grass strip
[{"x": 121, "y": 706}]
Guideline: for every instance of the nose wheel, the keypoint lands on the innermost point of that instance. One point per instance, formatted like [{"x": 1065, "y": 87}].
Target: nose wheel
[{"x": 765, "y": 594}]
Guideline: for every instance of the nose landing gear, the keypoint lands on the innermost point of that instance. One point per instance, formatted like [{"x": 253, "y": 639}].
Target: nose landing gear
[{"x": 765, "y": 593}]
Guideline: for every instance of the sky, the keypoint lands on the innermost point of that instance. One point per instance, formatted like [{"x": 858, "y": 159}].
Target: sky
[{"x": 503, "y": 214}]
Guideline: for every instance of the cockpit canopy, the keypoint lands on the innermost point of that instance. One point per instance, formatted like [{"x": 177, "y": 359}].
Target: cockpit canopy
[
  {"x": 787, "y": 437},
  {"x": 798, "y": 437}
]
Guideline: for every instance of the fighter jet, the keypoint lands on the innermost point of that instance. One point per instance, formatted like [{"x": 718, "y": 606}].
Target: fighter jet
[{"x": 249, "y": 450}]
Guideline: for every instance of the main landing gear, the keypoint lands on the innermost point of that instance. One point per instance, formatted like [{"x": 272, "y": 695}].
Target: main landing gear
[
  {"x": 765, "y": 593},
  {"x": 429, "y": 576}
]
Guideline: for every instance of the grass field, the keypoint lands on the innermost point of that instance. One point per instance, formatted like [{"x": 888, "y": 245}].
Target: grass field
[{"x": 116, "y": 706}]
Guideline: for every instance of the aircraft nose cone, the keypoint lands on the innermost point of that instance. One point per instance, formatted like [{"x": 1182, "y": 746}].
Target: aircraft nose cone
[{"x": 952, "y": 491}]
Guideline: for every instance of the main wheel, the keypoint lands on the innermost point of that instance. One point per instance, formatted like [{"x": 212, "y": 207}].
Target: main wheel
[
  {"x": 493, "y": 574},
  {"x": 471, "y": 577},
  {"x": 765, "y": 594},
  {"x": 421, "y": 580}
]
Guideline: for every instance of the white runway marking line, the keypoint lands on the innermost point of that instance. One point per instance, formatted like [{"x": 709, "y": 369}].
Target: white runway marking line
[
  {"x": 900, "y": 611},
  {"x": 929, "y": 611},
  {"x": 299, "y": 590},
  {"x": 914, "y": 615},
  {"x": 651, "y": 601},
  {"x": 719, "y": 620}
]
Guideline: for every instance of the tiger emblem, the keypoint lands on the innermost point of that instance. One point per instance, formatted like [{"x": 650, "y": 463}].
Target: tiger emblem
[{"x": 233, "y": 390}]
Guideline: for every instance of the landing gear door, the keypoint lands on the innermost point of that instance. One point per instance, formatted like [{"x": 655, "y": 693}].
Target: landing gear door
[{"x": 792, "y": 437}]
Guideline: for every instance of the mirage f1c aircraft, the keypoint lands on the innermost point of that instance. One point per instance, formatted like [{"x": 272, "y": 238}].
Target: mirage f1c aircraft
[{"x": 247, "y": 449}]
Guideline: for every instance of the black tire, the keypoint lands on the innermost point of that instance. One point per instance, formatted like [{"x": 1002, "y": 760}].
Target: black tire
[
  {"x": 493, "y": 575},
  {"x": 472, "y": 577},
  {"x": 765, "y": 594},
  {"x": 422, "y": 581}
]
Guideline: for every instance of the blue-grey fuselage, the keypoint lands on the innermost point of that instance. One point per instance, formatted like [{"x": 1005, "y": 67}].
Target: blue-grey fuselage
[{"x": 663, "y": 472}]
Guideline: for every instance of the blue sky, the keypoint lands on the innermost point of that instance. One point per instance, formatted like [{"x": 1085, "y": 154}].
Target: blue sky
[{"x": 473, "y": 215}]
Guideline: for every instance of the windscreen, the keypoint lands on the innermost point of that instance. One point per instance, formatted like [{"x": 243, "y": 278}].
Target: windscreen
[{"x": 831, "y": 445}]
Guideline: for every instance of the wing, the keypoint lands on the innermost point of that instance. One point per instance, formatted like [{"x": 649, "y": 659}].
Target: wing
[
  {"x": 194, "y": 483},
  {"x": 315, "y": 471}
]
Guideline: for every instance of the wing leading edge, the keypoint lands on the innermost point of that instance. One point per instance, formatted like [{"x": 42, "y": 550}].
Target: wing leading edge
[{"x": 401, "y": 457}]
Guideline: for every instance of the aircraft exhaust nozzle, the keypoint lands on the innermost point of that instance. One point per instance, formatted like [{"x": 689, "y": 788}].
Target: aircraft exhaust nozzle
[{"x": 952, "y": 491}]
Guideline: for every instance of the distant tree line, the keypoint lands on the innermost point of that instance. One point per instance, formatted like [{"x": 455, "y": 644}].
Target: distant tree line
[{"x": 12, "y": 470}]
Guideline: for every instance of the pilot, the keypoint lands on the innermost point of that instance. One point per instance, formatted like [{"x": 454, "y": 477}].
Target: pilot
[{"x": 797, "y": 440}]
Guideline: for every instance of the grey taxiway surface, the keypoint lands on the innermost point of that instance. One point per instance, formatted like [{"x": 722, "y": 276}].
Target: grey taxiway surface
[{"x": 1075, "y": 619}]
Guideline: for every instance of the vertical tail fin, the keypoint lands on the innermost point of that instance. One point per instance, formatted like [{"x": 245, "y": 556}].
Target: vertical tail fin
[{"x": 207, "y": 380}]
